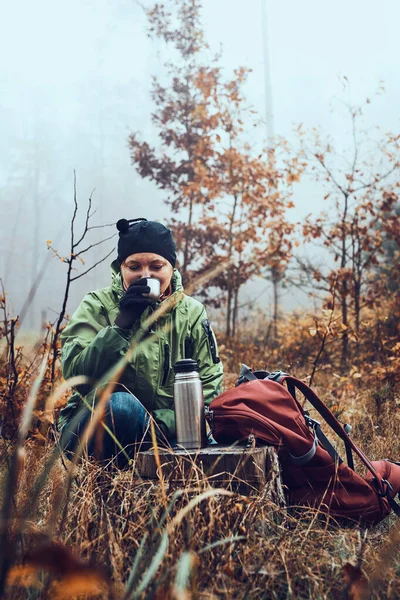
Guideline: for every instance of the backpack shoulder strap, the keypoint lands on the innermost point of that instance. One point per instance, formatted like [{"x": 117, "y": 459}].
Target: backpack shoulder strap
[{"x": 332, "y": 421}]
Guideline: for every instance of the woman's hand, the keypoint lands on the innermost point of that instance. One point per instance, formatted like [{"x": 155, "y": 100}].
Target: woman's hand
[{"x": 133, "y": 304}]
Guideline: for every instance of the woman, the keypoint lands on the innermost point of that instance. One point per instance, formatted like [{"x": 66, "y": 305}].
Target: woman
[{"x": 101, "y": 329}]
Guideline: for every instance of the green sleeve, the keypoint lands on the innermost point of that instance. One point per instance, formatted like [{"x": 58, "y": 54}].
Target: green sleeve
[
  {"x": 205, "y": 351},
  {"x": 90, "y": 345}
]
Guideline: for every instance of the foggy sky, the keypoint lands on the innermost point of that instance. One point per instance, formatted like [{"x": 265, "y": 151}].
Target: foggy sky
[{"x": 75, "y": 81}]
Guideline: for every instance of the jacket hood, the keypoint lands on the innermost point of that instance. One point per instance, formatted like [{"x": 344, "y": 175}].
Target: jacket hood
[{"x": 117, "y": 286}]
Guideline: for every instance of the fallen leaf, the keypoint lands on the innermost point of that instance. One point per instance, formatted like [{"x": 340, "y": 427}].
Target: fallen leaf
[
  {"x": 356, "y": 581},
  {"x": 78, "y": 584},
  {"x": 23, "y": 576}
]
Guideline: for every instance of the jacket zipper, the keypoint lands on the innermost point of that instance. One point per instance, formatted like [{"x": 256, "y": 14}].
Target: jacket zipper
[{"x": 166, "y": 364}]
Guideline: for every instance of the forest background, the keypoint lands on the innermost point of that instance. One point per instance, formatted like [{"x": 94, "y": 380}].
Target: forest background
[
  {"x": 302, "y": 214},
  {"x": 72, "y": 106}
]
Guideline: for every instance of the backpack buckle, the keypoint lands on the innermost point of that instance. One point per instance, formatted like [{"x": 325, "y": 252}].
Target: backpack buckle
[
  {"x": 389, "y": 487},
  {"x": 251, "y": 441},
  {"x": 312, "y": 423},
  {"x": 386, "y": 485},
  {"x": 277, "y": 376},
  {"x": 209, "y": 415}
]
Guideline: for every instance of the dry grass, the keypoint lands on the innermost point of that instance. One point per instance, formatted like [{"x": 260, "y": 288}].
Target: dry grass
[
  {"x": 264, "y": 551},
  {"x": 107, "y": 533}
]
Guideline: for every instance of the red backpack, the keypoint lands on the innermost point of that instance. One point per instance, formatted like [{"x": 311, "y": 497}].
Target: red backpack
[{"x": 312, "y": 470}]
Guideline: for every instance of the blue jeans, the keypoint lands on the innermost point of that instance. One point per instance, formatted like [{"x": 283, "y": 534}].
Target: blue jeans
[{"x": 126, "y": 418}]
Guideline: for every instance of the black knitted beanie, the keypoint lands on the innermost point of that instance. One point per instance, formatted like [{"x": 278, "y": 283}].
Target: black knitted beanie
[{"x": 141, "y": 235}]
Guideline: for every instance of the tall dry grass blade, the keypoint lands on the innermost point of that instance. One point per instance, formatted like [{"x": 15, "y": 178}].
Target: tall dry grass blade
[
  {"x": 132, "y": 575},
  {"x": 229, "y": 540},
  {"x": 194, "y": 502},
  {"x": 158, "y": 463},
  {"x": 30, "y": 403},
  {"x": 60, "y": 391},
  {"x": 201, "y": 280},
  {"x": 110, "y": 433},
  {"x": 41, "y": 480},
  {"x": 183, "y": 573},
  {"x": 158, "y": 524},
  {"x": 6, "y": 545},
  {"x": 158, "y": 557},
  {"x": 88, "y": 431},
  {"x": 171, "y": 504},
  {"x": 63, "y": 499},
  {"x": 153, "y": 568},
  {"x": 154, "y": 527}
]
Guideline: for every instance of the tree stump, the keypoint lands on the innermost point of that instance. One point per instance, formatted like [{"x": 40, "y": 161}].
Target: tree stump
[{"x": 246, "y": 470}]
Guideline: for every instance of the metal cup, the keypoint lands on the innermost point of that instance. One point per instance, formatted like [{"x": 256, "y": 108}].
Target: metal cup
[{"x": 154, "y": 286}]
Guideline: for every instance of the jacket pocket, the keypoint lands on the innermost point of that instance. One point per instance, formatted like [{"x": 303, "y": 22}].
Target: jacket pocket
[
  {"x": 211, "y": 341},
  {"x": 166, "y": 364}
]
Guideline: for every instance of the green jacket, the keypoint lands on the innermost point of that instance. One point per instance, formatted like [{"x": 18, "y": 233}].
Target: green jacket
[{"x": 91, "y": 344}]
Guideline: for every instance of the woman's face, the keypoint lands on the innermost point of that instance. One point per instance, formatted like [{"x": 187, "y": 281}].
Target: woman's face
[{"x": 146, "y": 264}]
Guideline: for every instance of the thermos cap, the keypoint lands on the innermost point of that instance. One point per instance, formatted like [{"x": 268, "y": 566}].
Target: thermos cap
[{"x": 186, "y": 365}]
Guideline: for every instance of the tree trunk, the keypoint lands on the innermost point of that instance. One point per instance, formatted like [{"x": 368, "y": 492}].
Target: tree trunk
[
  {"x": 235, "y": 312},
  {"x": 357, "y": 267},
  {"x": 345, "y": 337},
  {"x": 36, "y": 241},
  {"x": 344, "y": 288},
  {"x": 357, "y": 307},
  {"x": 230, "y": 248},
  {"x": 187, "y": 237},
  {"x": 275, "y": 281},
  {"x": 229, "y": 311}
]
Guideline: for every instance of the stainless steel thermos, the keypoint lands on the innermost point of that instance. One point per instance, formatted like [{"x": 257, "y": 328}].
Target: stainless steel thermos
[{"x": 189, "y": 405}]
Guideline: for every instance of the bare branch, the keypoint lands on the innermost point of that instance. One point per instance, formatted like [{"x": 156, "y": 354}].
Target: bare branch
[
  {"x": 323, "y": 338},
  {"x": 69, "y": 279},
  {"x": 92, "y": 267},
  {"x": 376, "y": 181},
  {"x": 330, "y": 174},
  {"x": 94, "y": 245},
  {"x": 353, "y": 167},
  {"x": 101, "y": 226},
  {"x": 85, "y": 229},
  {"x": 74, "y": 214}
]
